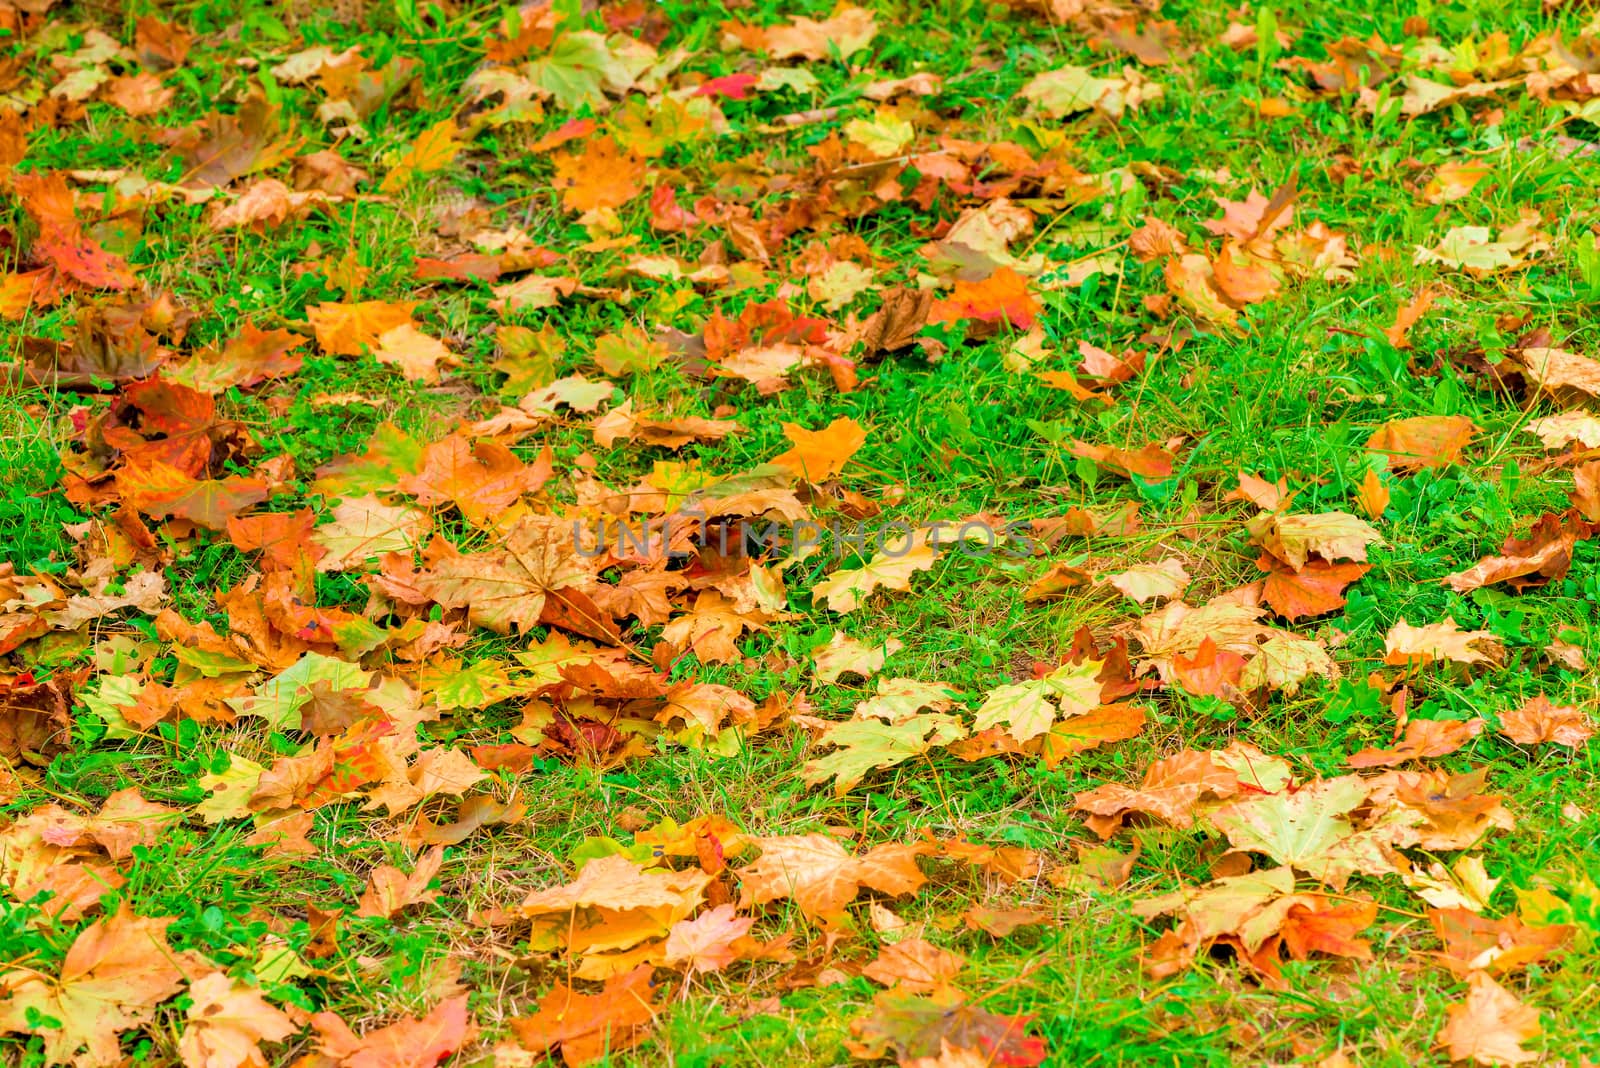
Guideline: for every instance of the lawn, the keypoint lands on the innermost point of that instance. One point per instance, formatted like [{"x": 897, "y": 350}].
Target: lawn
[{"x": 946, "y": 533}]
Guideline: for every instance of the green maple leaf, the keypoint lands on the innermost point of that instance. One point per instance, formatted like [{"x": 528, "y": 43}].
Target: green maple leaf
[
  {"x": 1308, "y": 830},
  {"x": 865, "y": 744}
]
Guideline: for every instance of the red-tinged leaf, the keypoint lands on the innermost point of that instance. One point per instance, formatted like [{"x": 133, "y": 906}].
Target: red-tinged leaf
[
  {"x": 1325, "y": 925},
  {"x": 570, "y": 130},
  {"x": 282, "y": 538},
  {"x": 1314, "y": 590},
  {"x": 588, "y": 1027},
  {"x": 667, "y": 216},
  {"x": 62, "y": 242},
  {"x": 161, "y": 490},
  {"x": 85, "y": 262},
  {"x": 406, "y": 1043},
  {"x": 1151, "y": 462},
  {"x": 465, "y": 267},
  {"x": 729, "y": 87},
  {"x": 1004, "y": 295}
]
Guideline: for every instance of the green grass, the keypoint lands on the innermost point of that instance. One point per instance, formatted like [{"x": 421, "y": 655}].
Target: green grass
[{"x": 1296, "y": 393}]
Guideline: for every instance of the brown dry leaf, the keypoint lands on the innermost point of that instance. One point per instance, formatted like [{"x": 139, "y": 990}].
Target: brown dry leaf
[
  {"x": 821, "y": 876},
  {"x": 915, "y": 966},
  {"x": 1002, "y": 922},
  {"x": 1423, "y": 738},
  {"x": 391, "y": 891},
  {"x": 1422, "y": 441},
  {"x": 1538, "y": 720},
  {"x": 1490, "y": 1026},
  {"x": 1398, "y": 334}
]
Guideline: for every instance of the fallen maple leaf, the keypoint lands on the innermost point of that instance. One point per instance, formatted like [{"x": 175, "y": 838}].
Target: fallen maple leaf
[
  {"x": 1538, "y": 720},
  {"x": 433, "y": 150},
  {"x": 1151, "y": 582},
  {"x": 821, "y": 876},
  {"x": 1417, "y": 646},
  {"x": 819, "y": 455},
  {"x": 1330, "y": 535},
  {"x": 849, "y": 29},
  {"x": 113, "y": 976},
  {"x": 1423, "y": 738},
  {"x": 351, "y": 329},
  {"x": 510, "y": 586},
  {"x": 914, "y": 966},
  {"x": 589, "y": 1027},
  {"x": 390, "y": 891},
  {"x": 1002, "y": 922},
  {"x": 226, "y": 1024},
  {"x": 845, "y": 655},
  {"x": 406, "y": 1043},
  {"x": 613, "y": 904},
  {"x": 1398, "y": 334},
  {"x": 916, "y": 1027},
  {"x": 862, "y": 745},
  {"x": 1422, "y": 441},
  {"x": 1313, "y": 590},
  {"x": 1003, "y": 295},
  {"x": 1152, "y": 462},
  {"x": 1309, "y": 830},
  {"x": 601, "y": 176},
  {"x": 1027, "y": 709},
  {"x": 1474, "y": 943},
  {"x": 707, "y": 943},
  {"x": 890, "y": 568},
  {"x": 480, "y": 478},
  {"x": 1490, "y": 1026}
]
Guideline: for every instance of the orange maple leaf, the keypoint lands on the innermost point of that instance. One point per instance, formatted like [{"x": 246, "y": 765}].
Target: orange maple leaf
[{"x": 1003, "y": 295}]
